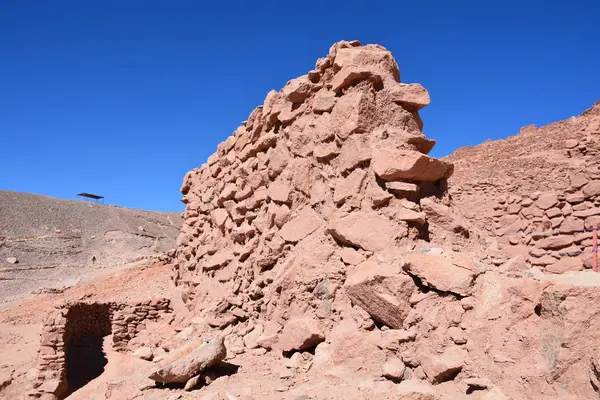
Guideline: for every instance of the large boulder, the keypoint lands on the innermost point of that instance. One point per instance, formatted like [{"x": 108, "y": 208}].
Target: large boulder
[
  {"x": 381, "y": 290},
  {"x": 395, "y": 164},
  {"x": 190, "y": 361}
]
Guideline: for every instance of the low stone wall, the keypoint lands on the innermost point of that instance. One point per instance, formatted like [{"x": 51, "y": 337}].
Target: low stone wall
[
  {"x": 555, "y": 227},
  {"x": 72, "y": 321}
]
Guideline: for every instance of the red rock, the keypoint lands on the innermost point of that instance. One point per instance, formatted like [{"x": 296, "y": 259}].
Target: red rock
[
  {"x": 439, "y": 272},
  {"x": 394, "y": 369},
  {"x": 394, "y": 164},
  {"x": 575, "y": 198},
  {"x": 265, "y": 142},
  {"x": 592, "y": 189},
  {"x": 290, "y": 113},
  {"x": 404, "y": 214},
  {"x": 306, "y": 222},
  {"x": 555, "y": 242},
  {"x": 321, "y": 128},
  {"x": 586, "y": 212},
  {"x": 565, "y": 265},
  {"x": 270, "y": 100},
  {"x": 302, "y": 175},
  {"x": 301, "y": 144},
  {"x": 349, "y": 186},
  {"x": 278, "y": 159},
  {"x": 353, "y": 113},
  {"x": 297, "y": 90},
  {"x": 376, "y": 58},
  {"x": 282, "y": 215},
  {"x": 571, "y": 143},
  {"x": 578, "y": 180},
  {"x": 443, "y": 367},
  {"x": 349, "y": 343},
  {"x": 227, "y": 193},
  {"x": 537, "y": 252},
  {"x": 324, "y": 101},
  {"x": 355, "y": 151},
  {"x": 352, "y": 74},
  {"x": 219, "y": 259},
  {"x": 547, "y": 200},
  {"x": 413, "y": 389},
  {"x": 300, "y": 334},
  {"x": 571, "y": 225},
  {"x": 279, "y": 191},
  {"x": 553, "y": 212},
  {"x": 350, "y": 230},
  {"x": 590, "y": 222},
  {"x": 251, "y": 339},
  {"x": 544, "y": 260},
  {"x": 444, "y": 217},
  {"x": 382, "y": 291},
  {"x": 326, "y": 151},
  {"x": 411, "y": 96},
  {"x": 405, "y": 187},
  {"x": 350, "y": 256},
  {"x": 219, "y": 216},
  {"x": 514, "y": 208}
]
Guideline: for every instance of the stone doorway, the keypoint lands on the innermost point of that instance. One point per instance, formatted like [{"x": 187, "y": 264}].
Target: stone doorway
[{"x": 85, "y": 329}]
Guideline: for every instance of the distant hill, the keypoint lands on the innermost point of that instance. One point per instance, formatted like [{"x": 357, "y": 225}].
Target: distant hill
[{"x": 57, "y": 242}]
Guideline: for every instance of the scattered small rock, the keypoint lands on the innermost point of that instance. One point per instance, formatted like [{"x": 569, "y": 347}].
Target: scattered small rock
[
  {"x": 145, "y": 353},
  {"x": 393, "y": 369}
]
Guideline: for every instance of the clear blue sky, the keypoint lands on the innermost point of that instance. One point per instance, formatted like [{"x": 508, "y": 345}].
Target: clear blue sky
[{"x": 122, "y": 98}]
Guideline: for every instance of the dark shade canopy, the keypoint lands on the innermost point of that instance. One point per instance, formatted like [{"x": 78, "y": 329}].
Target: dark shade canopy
[{"x": 91, "y": 196}]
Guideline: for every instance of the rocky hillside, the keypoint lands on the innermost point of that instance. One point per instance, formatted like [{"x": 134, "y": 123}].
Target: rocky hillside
[
  {"x": 537, "y": 192},
  {"x": 47, "y": 243}
]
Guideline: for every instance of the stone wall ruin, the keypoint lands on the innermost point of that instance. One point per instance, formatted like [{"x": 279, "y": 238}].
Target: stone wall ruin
[
  {"x": 71, "y": 352},
  {"x": 329, "y": 171}
]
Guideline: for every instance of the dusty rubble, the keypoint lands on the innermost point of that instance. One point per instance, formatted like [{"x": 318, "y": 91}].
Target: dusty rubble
[{"x": 325, "y": 255}]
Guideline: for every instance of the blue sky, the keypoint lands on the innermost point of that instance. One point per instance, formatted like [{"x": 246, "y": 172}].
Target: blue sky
[{"x": 122, "y": 98}]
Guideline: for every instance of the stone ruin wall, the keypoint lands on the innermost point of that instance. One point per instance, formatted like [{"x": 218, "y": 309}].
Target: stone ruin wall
[
  {"x": 75, "y": 320},
  {"x": 327, "y": 172},
  {"x": 553, "y": 227},
  {"x": 542, "y": 200}
]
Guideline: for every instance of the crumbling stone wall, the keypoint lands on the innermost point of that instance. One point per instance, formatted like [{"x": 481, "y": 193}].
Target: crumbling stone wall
[
  {"x": 536, "y": 192},
  {"x": 555, "y": 227},
  {"x": 327, "y": 172},
  {"x": 72, "y": 321}
]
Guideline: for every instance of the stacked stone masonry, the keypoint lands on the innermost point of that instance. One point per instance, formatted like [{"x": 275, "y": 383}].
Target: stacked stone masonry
[
  {"x": 72, "y": 321},
  {"x": 330, "y": 170},
  {"x": 544, "y": 197}
]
